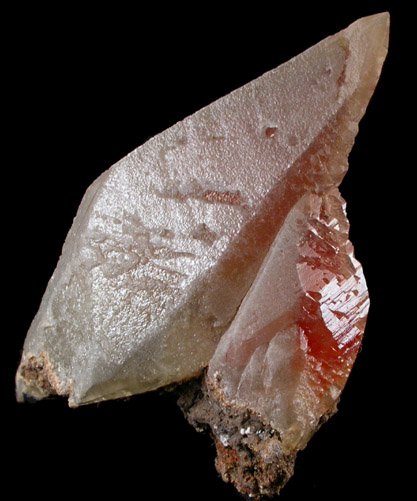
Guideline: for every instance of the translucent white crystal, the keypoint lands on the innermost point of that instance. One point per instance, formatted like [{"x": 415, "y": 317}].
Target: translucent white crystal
[{"x": 167, "y": 242}]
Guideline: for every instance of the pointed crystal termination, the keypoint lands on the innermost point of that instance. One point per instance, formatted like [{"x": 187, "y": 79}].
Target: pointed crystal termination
[{"x": 168, "y": 241}]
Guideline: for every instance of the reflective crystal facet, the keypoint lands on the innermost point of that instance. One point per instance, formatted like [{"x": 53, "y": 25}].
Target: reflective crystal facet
[{"x": 293, "y": 342}]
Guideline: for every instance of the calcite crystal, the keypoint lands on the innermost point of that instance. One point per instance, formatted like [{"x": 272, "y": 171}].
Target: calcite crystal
[
  {"x": 292, "y": 344},
  {"x": 222, "y": 244}
]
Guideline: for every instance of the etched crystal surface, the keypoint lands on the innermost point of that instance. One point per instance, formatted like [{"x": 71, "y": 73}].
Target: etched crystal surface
[{"x": 168, "y": 241}]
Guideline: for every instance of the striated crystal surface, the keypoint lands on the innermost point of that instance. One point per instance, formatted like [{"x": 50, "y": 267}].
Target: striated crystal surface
[{"x": 167, "y": 242}]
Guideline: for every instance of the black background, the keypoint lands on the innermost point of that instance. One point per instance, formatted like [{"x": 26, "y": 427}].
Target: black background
[{"x": 84, "y": 88}]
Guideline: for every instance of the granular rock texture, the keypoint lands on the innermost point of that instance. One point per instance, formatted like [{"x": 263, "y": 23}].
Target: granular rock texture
[
  {"x": 249, "y": 452},
  {"x": 37, "y": 370}
]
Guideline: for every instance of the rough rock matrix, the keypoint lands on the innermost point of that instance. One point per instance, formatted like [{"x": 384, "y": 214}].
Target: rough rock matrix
[
  {"x": 221, "y": 246},
  {"x": 249, "y": 451}
]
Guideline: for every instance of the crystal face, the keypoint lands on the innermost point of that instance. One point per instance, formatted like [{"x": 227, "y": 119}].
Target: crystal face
[
  {"x": 293, "y": 342},
  {"x": 220, "y": 246}
]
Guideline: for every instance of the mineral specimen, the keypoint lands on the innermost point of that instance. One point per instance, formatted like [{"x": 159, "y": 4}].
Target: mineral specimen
[{"x": 222, "y": 244}]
